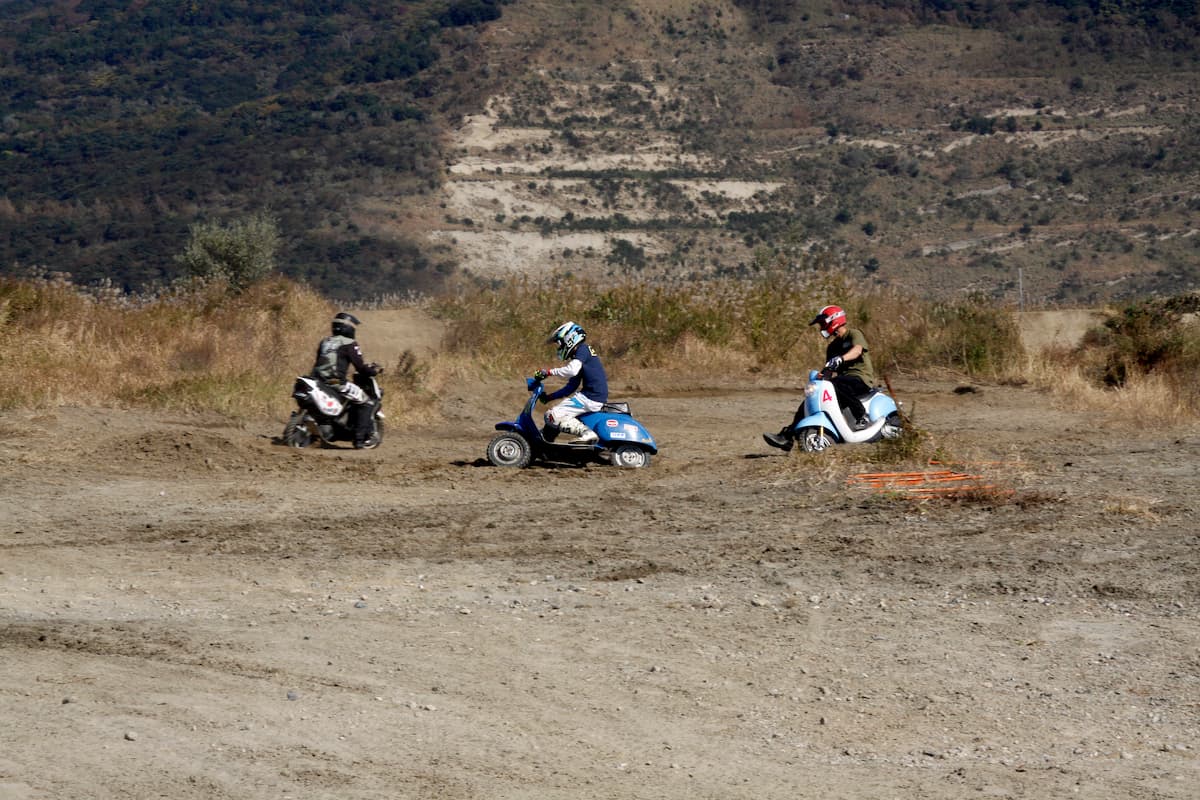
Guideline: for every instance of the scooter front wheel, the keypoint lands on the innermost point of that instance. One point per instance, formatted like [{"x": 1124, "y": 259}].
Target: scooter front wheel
[
  {"x": 509, "y": 449},
  {"x": 815, "y": 440}
]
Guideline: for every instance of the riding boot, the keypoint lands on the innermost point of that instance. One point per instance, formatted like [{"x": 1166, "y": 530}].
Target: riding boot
[
  {"x": 364, "y": 437},
  {"x": 582, "y": 433},
  {"x": 782, "y": 440}
]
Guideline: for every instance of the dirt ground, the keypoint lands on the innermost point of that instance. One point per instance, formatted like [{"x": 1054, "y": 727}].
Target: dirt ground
[{"x": 189, "y": 610}]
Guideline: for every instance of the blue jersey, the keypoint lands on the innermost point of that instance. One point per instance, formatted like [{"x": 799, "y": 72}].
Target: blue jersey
[{"x": 585, "y": 375}]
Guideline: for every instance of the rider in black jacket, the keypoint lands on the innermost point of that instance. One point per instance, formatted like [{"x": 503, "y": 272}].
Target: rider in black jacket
[{"x": 335, "y": 355}]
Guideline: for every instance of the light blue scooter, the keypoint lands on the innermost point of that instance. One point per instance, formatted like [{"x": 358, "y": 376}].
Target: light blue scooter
[{"x": 825, "y": 423}]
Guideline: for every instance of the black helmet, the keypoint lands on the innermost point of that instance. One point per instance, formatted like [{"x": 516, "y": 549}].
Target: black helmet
[{"x": 344, "y": 324}]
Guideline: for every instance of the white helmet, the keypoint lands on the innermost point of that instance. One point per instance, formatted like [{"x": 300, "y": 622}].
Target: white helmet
[{"x": 566, "y": 338}]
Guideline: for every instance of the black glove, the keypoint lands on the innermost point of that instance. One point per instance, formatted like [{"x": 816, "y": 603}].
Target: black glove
[
  {"x": 376, "y": 369},
  {"x": 832, "y": 364},
  {"x": 541, "y": 375},
  {"x": 543, "y": 398}
]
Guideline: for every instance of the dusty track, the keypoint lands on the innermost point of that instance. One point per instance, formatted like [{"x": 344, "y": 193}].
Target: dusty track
[{"x": 189, "y": 610}]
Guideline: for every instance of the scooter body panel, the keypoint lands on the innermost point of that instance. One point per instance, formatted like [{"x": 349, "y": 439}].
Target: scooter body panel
[
  {"x": 616, "y": 429},
  {"x": 822, "y": 411}
]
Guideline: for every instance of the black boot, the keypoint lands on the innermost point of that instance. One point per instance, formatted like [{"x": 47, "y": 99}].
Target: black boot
[
  {"x": 364, "y": 426},
  {"x": 782, "y": 440}
]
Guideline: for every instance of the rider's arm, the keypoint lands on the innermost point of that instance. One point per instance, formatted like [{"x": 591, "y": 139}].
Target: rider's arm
[
  {"x": 569, "y": 388},
  {"x": 569, "y": 370},
  {"x": 354, "y": 353},
  {"x": 858, "y": 345}
]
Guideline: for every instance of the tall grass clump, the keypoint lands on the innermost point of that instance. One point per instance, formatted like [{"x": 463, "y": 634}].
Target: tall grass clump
[
  {"x": 506, "y": 326},
  {"x": 760, "y": 324},
  {"x": 763, "y": 322},
  {"x": 199, "y": 346},
  {"x": 972, "y": 337},
  {"x": 1149, "y": 350}
]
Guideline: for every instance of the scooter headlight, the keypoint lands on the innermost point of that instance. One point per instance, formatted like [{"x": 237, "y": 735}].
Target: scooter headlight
[{"x": 810, "y": 389}]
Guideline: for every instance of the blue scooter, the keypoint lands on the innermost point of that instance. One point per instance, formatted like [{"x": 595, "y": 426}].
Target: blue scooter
[
  {"x": 623, "y": 441},
  {"x": 825, "y": 423}
]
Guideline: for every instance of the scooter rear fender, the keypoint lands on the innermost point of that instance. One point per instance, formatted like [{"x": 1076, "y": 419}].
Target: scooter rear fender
[{"x": 880, "y": 405}]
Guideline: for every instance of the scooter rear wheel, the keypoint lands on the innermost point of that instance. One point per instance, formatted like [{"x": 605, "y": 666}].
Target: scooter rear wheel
[
  {"x": 893, "y": 427},
  {"x": 815, "y": 440},
  {"x": 630, "y": 456},
  {"x": 296, "y": 432},
  {"x": 509, "y": 449}
]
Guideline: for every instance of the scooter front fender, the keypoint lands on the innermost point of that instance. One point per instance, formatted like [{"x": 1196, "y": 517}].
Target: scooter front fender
[{"x": 819, "y": 420}]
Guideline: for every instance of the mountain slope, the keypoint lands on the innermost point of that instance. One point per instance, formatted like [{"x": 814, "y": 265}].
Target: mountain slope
[
  {"x": 1041, "y": 153},
  {"x": 686, "y": 140},
  {"x": 124, "y": 123}
]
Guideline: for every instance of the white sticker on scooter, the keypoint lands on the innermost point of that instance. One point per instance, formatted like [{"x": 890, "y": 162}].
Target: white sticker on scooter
[
  {"x": 612, "y": 423},
  {"x": 631, "y": 430},
  {"x": 328, "y": 403},
  {"x": 826, "y": 397}
]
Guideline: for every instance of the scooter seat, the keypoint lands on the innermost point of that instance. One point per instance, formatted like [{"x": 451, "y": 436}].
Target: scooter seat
[{"x": 615, "y": 408}]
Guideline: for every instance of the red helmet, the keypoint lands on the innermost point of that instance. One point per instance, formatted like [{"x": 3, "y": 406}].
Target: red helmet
[{"x": 830, "y": 318}]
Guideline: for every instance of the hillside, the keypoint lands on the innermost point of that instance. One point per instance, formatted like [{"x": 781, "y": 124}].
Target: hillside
[
  {"x": 124, "y": 123},
  {"x": 1041, "y": 153}
]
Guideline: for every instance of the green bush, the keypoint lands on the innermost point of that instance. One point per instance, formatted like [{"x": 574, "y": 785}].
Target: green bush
[{"x": 241, "y": 252}]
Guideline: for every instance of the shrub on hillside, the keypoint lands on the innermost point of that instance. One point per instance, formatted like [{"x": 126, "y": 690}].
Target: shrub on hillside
[{"x": 240, "y": 252}]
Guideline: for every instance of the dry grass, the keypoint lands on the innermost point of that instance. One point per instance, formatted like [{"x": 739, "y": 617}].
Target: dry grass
[
  {"x": 196, "y": 348},
  {"x": 750, "y": 326},
  {"x": 205, "y": 347},
  {"x": 1137, "y": 508},
  {"x": 1155, "y": 398}
]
